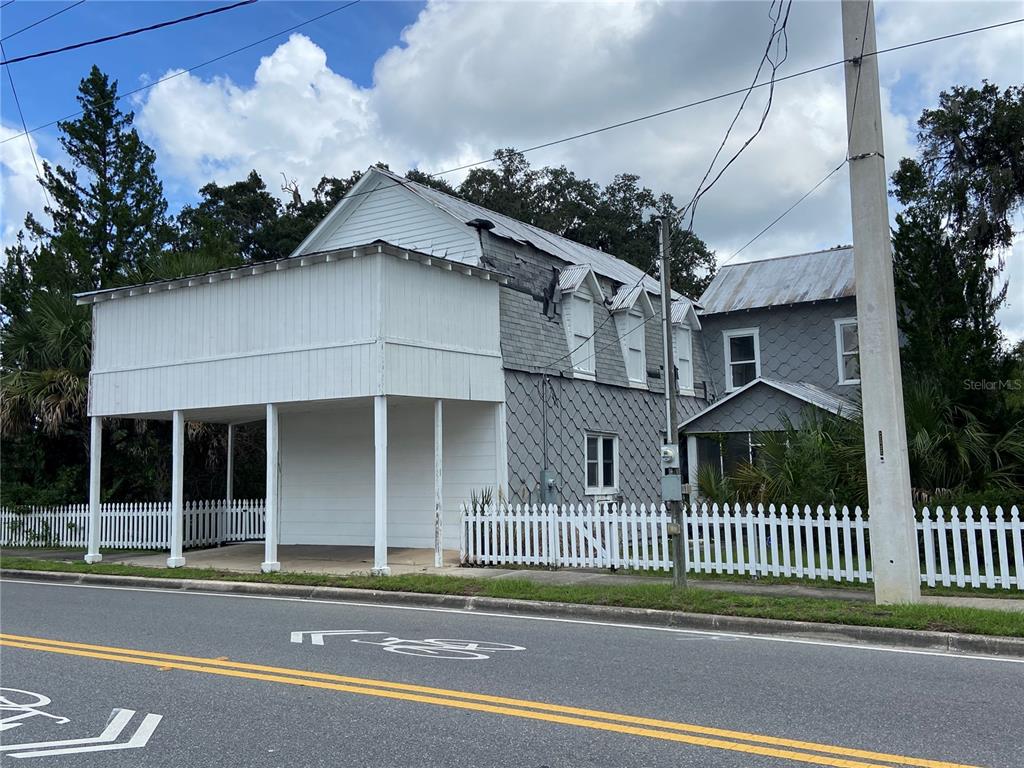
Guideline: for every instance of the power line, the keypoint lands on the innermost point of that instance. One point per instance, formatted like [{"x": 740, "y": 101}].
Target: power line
[
  {"x": 194, "y": 67},
  {"x": 45, "y": 18},
  {"x": 31, "y": 149},
  {"x": 853, "y": 111},
  {"x": 128, "y": 33},
  {"x": 777, "y": 33},
  {"x": 736, "y": 92},
  {"x": 9, "y": 2},
  {"x": 786, "y": 212},
  {"x": 554, "y": 142}
]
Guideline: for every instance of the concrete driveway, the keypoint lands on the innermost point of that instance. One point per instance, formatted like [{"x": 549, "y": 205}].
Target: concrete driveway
[{"x": 309, "y": 558}]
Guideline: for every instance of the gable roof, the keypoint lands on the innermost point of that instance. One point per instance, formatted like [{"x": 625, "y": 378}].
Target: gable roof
[
  {"x": 602, "y": 263},
  {"x": 684, "y": 312},
  {"x": 816, "y": 276},
  {"x": 572, "y": 278},
  {"x": 628, "y": 296},
  {"x": 809, "y": 393}
]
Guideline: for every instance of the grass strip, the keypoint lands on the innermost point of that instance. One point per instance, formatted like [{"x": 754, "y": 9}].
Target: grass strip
[{"x": 654, "y": 596}]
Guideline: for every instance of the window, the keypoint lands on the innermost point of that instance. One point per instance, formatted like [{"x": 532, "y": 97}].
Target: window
[
  {"x": 742, "y": 358},
  {"x": 636, "y": 358},
  {"x": 682, "y": 347},
  {"x": 602, "y": 463},
  {"x": 582, "y": 341},
  {"x": 848, "y": 350}
]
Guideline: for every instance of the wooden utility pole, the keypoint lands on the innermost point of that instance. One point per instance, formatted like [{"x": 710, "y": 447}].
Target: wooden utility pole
[
  {"x": 894, "y": 559},
  {"x": 671, "y": 484}
]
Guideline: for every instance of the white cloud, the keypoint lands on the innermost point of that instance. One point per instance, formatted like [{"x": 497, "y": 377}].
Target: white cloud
[
  {"x": 469, "y": 77},
  {"x": 20, "y": 193}
]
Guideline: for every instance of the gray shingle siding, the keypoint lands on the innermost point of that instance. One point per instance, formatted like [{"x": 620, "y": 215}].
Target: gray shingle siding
[
  {"x": 797, "y": 342},
  {"x": 759, "y": 409}
]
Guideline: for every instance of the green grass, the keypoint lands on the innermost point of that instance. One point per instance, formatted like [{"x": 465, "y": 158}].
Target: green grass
[{"x": 654, "y": 595}]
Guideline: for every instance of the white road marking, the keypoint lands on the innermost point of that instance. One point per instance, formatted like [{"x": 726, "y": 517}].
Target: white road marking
[
  {"x": 435, "y": 648},
  {"x": 139, "y": 739},
  {"x": 23, "y": 704},
  {"x": 119, "y": 719},
  {"x": 556, "y": 619}
]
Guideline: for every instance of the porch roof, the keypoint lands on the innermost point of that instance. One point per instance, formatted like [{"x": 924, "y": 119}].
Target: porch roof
[
  {"x": 288, "y": 262},
  {"x": 802, "y": 391}
]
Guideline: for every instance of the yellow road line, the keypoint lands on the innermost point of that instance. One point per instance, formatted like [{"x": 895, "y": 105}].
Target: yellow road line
[{"x": 478, "y": 702}]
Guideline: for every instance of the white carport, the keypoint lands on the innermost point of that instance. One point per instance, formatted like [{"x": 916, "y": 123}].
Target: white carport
[{"x": 377, "y": 369}]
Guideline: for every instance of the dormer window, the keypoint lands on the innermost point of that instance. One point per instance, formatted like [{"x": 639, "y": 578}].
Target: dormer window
[
  {"x": 632, "y": 309},
  {"x": 582, "y": 342},
  {"x": 581, "y": 293},
  {"x": 684, "y": 323}
]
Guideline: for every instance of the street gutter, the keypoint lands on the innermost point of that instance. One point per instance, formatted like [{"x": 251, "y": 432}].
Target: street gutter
[{"x": 952, "y": 642}]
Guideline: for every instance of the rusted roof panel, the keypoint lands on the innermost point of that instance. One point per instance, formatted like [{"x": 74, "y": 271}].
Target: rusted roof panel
[{"x": 816, "y": 276}]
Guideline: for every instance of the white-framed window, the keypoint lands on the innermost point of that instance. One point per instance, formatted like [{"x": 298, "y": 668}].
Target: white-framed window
[
  {"x": 682, "y": 348},
  {"x": 848, "y": 350},
  {"x": 742, "y": 357},
  {"x": 635, "y": 347},
  {"x": 581, "y": 316},
  {"x": 602, "y": 463}
]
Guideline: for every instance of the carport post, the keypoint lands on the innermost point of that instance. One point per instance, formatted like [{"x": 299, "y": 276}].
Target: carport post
[
  {"x": 692, "y": 467},
  {"x": 380, "y": 486},
  {"x": 176, "y": 560},
  {"x": 229, "y": 487},
  {"x": 93, "y": 555},
  {"x": 273, "y": 529},
  {"x": 438, "y": 485}
]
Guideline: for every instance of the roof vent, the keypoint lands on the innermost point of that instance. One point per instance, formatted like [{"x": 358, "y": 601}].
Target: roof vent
[{"x": 485, "y": 224}]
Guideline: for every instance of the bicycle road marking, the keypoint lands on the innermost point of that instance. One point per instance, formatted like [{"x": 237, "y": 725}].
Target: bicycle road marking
[
  {"x": 952, "y": 655},
  {"x": 686, "y": 733},
  {"x": 434, "y": 648}
]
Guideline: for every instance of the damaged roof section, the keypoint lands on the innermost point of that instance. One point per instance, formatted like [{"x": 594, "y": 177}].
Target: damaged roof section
[{"x": 804, "y": 277}]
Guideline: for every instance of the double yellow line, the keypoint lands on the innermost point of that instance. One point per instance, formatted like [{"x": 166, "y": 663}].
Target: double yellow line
[{"x": 686, "y": 733}]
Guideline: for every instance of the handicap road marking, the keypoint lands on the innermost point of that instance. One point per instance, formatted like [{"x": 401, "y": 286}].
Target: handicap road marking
[{"x": 705, "y": 736}]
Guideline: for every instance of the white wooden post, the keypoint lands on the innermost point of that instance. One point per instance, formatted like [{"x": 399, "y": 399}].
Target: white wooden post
[
  {"x": 229, "y": 488},
  {"x": 692, "y": 466},
  {"x": 93, "y": 555},
  {"x": 501, "y": 454},
  {"x": 273, "y": 529},
  {"x": 380, "y": 483},
  {"x": 176, "y": 560},
  {"x": 438, "y": 485}
]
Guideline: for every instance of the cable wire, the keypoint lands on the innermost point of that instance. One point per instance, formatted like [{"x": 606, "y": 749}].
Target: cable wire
[
  {"x": 554, "y": 142},
  {"x": 128, "y": 33},
  {"x": 31, "y": 149},
  {"x": 45, "y": 18},
  {"x": 201, "y": 64}
]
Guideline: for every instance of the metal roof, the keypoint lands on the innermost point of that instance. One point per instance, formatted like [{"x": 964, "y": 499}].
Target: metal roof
[
  {"x": 278, "y": 265},
  {"x": 685, "y": 308},
  {"x": 809, "y": 393},
  {"x": 512, "y": 229},
  {"x": 816, "y": 276}
]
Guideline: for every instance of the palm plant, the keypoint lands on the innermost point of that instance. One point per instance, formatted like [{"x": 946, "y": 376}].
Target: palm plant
[{"x": 45, "y": 376}]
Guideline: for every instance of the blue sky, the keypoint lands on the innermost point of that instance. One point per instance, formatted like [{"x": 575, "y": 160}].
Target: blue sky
[{"x": 441, "y": 83}]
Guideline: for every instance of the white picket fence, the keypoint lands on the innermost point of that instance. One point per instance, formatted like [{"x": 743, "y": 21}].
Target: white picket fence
[
  {"x": 980, "y": 549},
  {"x": 134, "y": 525}
]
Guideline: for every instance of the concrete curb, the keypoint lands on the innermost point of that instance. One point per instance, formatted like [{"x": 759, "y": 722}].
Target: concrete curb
[{"x": 881, "y": 636}]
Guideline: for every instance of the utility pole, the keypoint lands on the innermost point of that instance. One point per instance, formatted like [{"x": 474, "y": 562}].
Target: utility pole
[
  {"x": 671, "y": 481},
  {"x": 894, "y": 559}
]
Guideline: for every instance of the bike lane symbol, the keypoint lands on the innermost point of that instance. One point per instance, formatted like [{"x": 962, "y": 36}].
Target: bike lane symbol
[
  {"x": 17, "y": 705},
  {"x": 437, "y": 648}
]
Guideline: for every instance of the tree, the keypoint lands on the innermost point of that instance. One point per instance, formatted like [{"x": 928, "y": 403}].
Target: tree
[
  {"x": 959, "y": 197},
  {"x": 619, "y": 218}
]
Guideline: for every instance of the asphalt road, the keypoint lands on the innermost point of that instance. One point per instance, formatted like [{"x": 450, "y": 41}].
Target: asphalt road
[{"x": 232, "y": 687}]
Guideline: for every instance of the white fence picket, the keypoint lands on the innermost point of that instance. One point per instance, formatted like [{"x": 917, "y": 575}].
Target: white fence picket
[
  {"x": 133, "y": 525},
  {"x": 788, "y": 540}
]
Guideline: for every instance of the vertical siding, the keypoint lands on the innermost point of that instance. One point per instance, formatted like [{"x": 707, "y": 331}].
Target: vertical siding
[
  {"x": 310, "y": 333},
  {"x": 327, "y": 471},
  {"x": 390, "y": 212}
]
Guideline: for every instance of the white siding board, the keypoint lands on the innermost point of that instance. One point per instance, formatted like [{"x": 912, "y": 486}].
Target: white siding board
[
  {"x": 392, "y": 213},
  {"x": 348, "y": 328},
  {"x": 327, "y": 471}
]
